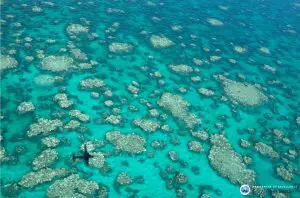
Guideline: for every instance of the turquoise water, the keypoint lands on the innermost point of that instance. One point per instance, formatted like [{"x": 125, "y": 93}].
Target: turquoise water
[{"x": 257, "y": 43}]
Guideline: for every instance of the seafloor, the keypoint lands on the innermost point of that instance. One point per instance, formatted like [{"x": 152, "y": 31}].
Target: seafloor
[{"x": 170, "y": 98}]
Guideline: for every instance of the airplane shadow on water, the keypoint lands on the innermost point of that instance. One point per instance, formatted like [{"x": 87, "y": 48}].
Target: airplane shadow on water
[{"x": 85, "y": 156}]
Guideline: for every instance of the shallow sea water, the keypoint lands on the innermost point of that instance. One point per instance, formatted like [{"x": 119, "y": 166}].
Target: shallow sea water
[{"x": 250, "y": 25}]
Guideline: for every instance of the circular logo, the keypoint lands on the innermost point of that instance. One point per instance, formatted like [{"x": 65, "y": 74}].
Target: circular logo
[{"x": 245, "y": 190}]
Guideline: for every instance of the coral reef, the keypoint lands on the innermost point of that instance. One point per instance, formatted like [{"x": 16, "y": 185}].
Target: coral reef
[
  {"x": 91, "y": 83},
  {"x": 158, "y": 144},
  {"x": 228, "y": 163},
  {"x": 130, "y": 143},
  {"x": 269, "y": 68},
  {"x": 57, "y": 63},
  {"x": 72, "y": 186},
  {"x": 46, "y": 158},
  {"x": 161, "y": 41},
  {"x": 133, "y": 88},
  {"x": 147, "y": 125},
  {"x": 243, "y": 93},
  {"x": 173, "y": 155},
  {"x": 284, "y": 173},
  {"x": 33, "y": 179},
  {"x": 78, "y": 54},
  {"x": 181, "y": 68},
  {"x": 264, "y": 50},
  {"x": 62, "y": 100},
  {"x": 266, "y": 150},
  {"x": 239, "y": 49},
  {"x": 79, "y": 115},
  {"x": 206, "y": 92},
  {"x": 195, "y": 146},
  {"x": 25, "y": 107},
  {"x": 72, "y": 124},
  {"x": 215, "y": 22},
  {"x": 120, "y": 48},
  {"x": 123, "y": 179},
  {"x": 7, "y": 62},
  {"x": 179, "y": 109},
  {"x": 74, "y": 29},
  {"x": 44, "y": 126},
  {"x": 113, "y": 119},
  {"x": 3, "y": 156},
  {"x": 149, "y": 98},
  {"x": 298, "y": 120},
  {"x": 50, "y": 142},
  {"x": 97, "y": 160},
  {"x": 180, "y": 178},
  {"x": 44, "y": 80}
]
